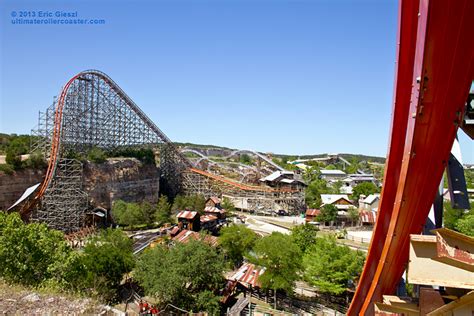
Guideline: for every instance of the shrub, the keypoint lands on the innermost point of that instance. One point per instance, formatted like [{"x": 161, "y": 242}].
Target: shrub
[
  {"x": 96, "y": 155},
  {"x": 8, "y": 169}
]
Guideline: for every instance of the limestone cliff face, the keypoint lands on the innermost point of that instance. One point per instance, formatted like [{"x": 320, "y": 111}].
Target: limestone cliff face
[
  {"x": 120, "y": 178},
  {"x": 117, "y": 178},
  {"x": 12, "y": 186}
]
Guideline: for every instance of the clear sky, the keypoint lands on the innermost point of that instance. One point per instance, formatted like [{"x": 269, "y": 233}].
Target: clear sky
[{"x": 293, "y": 77}]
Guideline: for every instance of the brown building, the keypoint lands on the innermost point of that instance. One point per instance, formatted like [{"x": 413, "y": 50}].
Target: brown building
[
  {"x": 311, "y": 215},
  {"x": 189, "y": 220},
  {"x": 213, "y": 201}
]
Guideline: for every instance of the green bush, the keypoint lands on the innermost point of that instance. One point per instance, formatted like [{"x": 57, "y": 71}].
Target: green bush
[
  {"x": 135, "y": 214},
  {"x": 237, "y": 241},
  {"x": 331, "y": 267},
  {"x": 186, "y": 275},
  {"x": 34, "y": 255},
  {"x": 8, "y": 169},
  {"x": 36, "y": 161},
  {"x": 28, "y": 251},
  {"x": 189, "y": 202},
  {"x": 465, "y": 225},
  {"x": 106, "y": 258},
  {"x": 96, "y": 155}
]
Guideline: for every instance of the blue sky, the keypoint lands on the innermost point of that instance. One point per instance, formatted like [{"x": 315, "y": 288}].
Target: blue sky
[{"x": 294, "y": 77}]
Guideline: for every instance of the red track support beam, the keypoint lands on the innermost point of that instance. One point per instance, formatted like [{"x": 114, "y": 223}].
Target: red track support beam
[{"x": 435, "y": 68}]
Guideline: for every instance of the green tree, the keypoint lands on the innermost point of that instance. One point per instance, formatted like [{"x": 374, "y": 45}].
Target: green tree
[
  {"x": 163, "y": 211},
  {"x": 336, "y": 187},
  {"x": 451, "y": 215},
  {"x": 313, "y": 192},
  {"x": 127, "y": 214},
  {"x": 328, "y": 214},
  {"x": 132, "y": 214},
  {"x": 304, "y": 236},
  {"x": 228, "y": 206},
  {"x": 106, "y": 258},
  {"x": 237, "y": 240},
  {"x": 465, "y": 225},
  {"x": 17, "y": 147},
  {"x": 282, "y": 259},
  {"x": 28, "y": 251},
  {"x": 97, "y": 155},
  {"x": 36, "y": 161},
  {"x": 186, "y": 275},
  {"x": 354, "y": 166},
  {"x": 245, "y": 159},
  {"x": 331, "y": 267},
  {"x": 365, "y": 188},
  {"x": 148, "y": 213},
  {"x": 353, "y": 214},
  {"x": 189, "y": 202}
]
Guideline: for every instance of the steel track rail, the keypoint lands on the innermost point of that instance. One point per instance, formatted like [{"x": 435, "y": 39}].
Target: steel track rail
[{"x": 441, "y": 75}]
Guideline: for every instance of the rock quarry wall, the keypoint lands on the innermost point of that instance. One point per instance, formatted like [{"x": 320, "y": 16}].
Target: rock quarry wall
[{"x": 117, "y": 178}]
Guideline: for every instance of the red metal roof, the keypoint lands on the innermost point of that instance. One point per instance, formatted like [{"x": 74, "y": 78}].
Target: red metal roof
[
  {"x": 312, "y": 212},
  {"x": 187, "y": 214},
  {"x": 213, "y": 209},
  {"x": 175, "y": 230},
  {"x": 215, "y": 199},
  {"x": 208, "y": 218},
  {"x": 185, "y": 236},
  {"x": 248, "y": 275},
  {"x": 368, "y": 216}
]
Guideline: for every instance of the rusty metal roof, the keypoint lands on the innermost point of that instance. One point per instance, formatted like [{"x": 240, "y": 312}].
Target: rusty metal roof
[
  {"x": 368, "y": 216},
  {"x": 185, "y": 236},
  {"x": 215, "y": 199},
  {"x": 312, "y": 212},
  {"x": 208, "y": 218},
  {"x": 187, "y": 214},
  {"x": 248, "y": 275},
  {"x": 213, "y": 209}
]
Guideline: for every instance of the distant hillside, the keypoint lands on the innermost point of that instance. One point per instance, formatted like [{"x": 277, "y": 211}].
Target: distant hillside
[
  {"x": 347, "y": 156},
  {"x": 5, "y": 139}
]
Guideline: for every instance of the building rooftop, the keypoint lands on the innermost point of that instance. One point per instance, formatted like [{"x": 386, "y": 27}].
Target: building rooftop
[
  {"x": 248, "y": 275},
  {"x": 371, "y": 198},
  {"x": 331, "y": 198},
  {"x": 213, "y": 209},
  {"x": 208, "y": 218},
  {"x": 312, "y": 212},
  {"x": 186, "y": 235},
  {"x": 327, "y": 172},
  {"x": 187, "y": 214}
]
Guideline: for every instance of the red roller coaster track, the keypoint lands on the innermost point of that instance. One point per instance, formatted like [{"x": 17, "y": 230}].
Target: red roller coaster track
[
  {"x": 435, "y": 69},
  {"x": 241, "y": 186},
  {"x": 58, "y": 123}
]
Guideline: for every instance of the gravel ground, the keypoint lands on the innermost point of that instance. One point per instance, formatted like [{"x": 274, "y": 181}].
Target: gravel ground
[{"x": 16, "y": 300}]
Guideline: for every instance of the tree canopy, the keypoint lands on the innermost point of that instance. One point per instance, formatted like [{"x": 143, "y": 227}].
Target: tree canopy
[
  {"x": 282, "y": 259},
  {"x": 186, "y": 275},
  {"x": 330, "y": 266},
  {"x": 465, "y": 225},
  {"x": 34, "y": 255},
  {"x": 163, "y": 211},
  {"x": 133, "y": 214},
  {"x": 328, "y": 213},
  {"x": 237, "y": 240},
  {"x": 304, "y": 236},
  {"x": 28, "y": 251},
  {"x": 106, "y": 258},
  {"x": 228, "y": 205},
  {"x": 189, "y": 202},
  {"x": 365, "y": 188}
]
